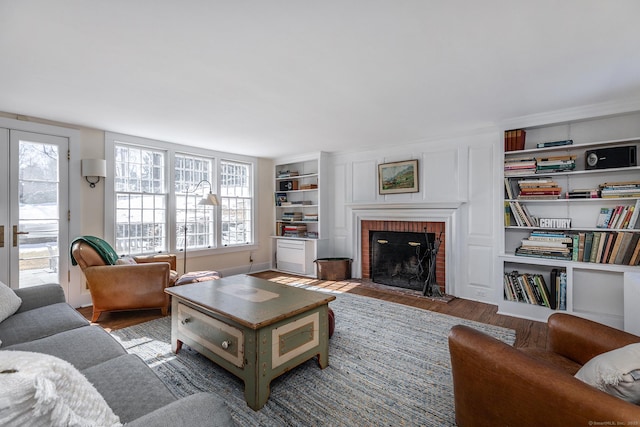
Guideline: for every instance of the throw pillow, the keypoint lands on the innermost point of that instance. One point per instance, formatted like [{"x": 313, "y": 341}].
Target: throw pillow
[
  {"x": 9, "y": 301},
  {"x": 41, "y": 390},
  {"x": 125, "y": 260},
  {"x": 616, "y": 372}
]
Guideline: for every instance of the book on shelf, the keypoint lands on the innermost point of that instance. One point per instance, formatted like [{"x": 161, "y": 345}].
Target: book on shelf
[
  {"x": 635, "y": 257},
  {"x": 541, "y": 244},
  {"x": 541, "y": 188},
  {"x": 291, "y": 216},
  {"x": 514, "y": 139},
  {"x": 287, "y": 174},
  {"x": 280, "y": 198},
  {"x": 619, "y": 217},
  {"x": 519, "y": 166},
  {"x": 590, "y": 193},
  {"x": 555, "y": 164},
  {"x": 521, "y": 215},
  {"x": 527, "y": 288},
  {"x": 554, "y": 143},
  {"x": 595, "y": 244},
  {"x": 620, "y": 189},
  {"x": 507, "y": 214}
]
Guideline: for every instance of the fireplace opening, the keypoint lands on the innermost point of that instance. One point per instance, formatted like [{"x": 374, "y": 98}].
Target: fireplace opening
[{"x": 402, "y": 259}]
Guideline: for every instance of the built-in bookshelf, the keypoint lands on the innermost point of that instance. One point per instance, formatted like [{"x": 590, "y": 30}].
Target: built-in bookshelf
[
  {"x": 572, "y": 223},
  {"x": 299, "y": 214}
]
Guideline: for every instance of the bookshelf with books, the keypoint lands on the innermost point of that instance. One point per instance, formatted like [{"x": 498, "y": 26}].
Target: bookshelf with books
[
  {"x": 299, "y": 218},
  {"x": 563, "y": 214}
]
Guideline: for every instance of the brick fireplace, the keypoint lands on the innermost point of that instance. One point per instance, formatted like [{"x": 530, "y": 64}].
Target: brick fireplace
[{"x": 438, "y": 228}]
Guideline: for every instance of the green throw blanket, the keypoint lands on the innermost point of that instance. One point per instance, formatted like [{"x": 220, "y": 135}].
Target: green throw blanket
[{"x": 103, "y": 248}]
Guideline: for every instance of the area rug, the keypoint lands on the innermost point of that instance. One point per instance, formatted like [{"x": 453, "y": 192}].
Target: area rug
[{"x": 388, "y": 366}]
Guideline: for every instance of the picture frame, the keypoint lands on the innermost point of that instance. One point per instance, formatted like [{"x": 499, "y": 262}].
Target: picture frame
[{"x": 398, "y": 177}]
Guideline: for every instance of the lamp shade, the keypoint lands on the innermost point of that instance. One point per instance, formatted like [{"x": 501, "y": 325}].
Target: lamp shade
[
  {"x": 210, "y": 200},
  {"x": 94, "y": 167}
]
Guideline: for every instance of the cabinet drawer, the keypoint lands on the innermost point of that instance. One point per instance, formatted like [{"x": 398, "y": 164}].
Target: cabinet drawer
[{"x": 218, "y": 337}]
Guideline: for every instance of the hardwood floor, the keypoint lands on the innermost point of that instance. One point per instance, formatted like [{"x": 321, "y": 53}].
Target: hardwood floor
[{"x": 528, "y": 333}]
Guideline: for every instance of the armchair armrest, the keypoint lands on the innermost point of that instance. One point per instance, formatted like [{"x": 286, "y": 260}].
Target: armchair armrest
[
  {"x": 40, "y": 296},
  {"x": 496, "y": 384},
  {"x": 581, "y": 339},
  {"x": 170, "y": 258}
]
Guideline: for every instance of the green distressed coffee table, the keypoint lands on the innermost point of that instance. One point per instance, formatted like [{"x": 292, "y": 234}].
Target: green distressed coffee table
[{"x": 254, "y": 328}]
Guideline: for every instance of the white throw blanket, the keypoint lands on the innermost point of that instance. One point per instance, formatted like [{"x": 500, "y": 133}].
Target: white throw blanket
[{"x": 41, "y": 390}]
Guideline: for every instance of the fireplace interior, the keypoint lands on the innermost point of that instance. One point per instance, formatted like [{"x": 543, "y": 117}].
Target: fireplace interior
[{"x": 400, "y": 258}]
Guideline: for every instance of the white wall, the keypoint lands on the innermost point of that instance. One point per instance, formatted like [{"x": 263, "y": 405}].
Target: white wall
[{"x": 453, "y": 169}]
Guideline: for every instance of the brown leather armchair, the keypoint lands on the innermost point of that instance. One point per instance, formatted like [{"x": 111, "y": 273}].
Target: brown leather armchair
[
  {"x": 135, "y": 286},
  {"x": 498, "y": 385}
]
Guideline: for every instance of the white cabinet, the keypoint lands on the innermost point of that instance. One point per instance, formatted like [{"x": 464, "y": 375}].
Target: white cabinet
[
  {"x": 299, "y": 213},
  {"x": 597, "y": 288},
  {"x": 295, "y": 256}
]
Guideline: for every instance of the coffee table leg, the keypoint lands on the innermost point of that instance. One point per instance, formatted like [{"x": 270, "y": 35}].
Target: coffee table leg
[{"x": 257, "y": 393}]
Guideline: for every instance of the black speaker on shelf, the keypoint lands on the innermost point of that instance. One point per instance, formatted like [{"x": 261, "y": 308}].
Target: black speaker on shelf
[
  {"x": 614, "y": 157},
  {"x": 288, "y": 185}
]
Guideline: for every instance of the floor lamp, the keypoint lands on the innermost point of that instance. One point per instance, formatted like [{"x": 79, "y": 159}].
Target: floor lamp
[{"x": 209, "y": 200}]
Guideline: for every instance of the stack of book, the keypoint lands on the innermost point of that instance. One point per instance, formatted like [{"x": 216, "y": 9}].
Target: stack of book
[
  {"x": 540, "y": 188},
  {"x": 620, "y": 217},
  {"x": 291, "y": 216},
  {"x": 607, "y": 247},
  {"x": 294, "y": 230},
  {"x": 589, "y": 193},
  {"x": 527, "y": 288},
  {"x": 287, "y": 174},
  {"x": 620, "y": 189},
  {"x": 555, "y": 164},
  {"x": 310, "y": 217},
  {"x": 547, "y": 244},
  {"x": 554, "y": 143},
  {"x": 517, "y": 166}
]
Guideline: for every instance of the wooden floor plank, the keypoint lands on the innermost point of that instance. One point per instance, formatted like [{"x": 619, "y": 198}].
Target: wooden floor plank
[{"x": 528, "y": 333}]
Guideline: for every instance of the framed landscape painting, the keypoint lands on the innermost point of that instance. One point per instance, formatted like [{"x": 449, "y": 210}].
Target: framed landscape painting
[{"x": 398, "y": 177}]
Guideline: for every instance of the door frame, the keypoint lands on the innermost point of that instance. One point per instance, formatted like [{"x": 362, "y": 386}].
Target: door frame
[{"x": 74, "y": 289}]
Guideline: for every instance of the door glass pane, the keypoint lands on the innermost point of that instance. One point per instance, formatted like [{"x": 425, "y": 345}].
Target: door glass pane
[{"x": 38, "y": 197}]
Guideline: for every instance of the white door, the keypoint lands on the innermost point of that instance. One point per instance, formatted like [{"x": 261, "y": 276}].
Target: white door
[{"x": 34, "y": 208}]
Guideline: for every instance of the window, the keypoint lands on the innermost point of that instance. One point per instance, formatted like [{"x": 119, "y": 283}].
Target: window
[
  {"x": 193, "y": 180},
  {"x": 141, "y": 200},
  {"x": 157, "y": 187},
  {"x": 236, "y": 194}
]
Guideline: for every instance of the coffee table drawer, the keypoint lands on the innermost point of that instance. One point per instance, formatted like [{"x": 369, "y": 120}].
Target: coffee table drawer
[{"x": 222, "y": 339}]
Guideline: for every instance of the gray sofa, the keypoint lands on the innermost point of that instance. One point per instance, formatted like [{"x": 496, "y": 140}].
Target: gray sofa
[{"x": 45, "y": 323}]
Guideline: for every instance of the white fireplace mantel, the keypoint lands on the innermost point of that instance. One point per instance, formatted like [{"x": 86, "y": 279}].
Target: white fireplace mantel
[{"x": 446, "y": 212}]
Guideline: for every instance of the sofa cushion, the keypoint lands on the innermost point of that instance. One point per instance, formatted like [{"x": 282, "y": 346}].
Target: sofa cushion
[
  {"x": 128, "y": 385},
  {"x": 39, "y": 389},
  {"x": 9, "y": 302},
  {"x": 200, "y": 409},
  {"x": 616, "y": 372},
  {"x": 82, "y": 347},
  {"x": 39, "y": 323}
]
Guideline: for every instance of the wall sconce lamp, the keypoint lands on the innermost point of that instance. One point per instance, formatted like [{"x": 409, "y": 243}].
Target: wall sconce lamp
[
  {"x": 94, "y": 169},
  {"x": 208, "y": 200}
]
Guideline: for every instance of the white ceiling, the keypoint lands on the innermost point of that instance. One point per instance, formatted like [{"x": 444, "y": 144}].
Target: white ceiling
[{"x": 267, "y": 78}]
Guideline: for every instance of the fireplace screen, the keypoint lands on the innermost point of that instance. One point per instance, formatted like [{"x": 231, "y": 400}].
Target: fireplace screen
[{"x": 400, "y": 258}]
